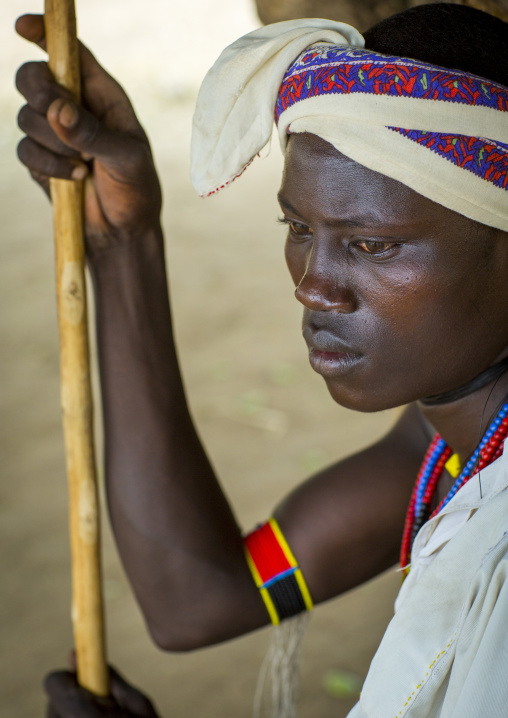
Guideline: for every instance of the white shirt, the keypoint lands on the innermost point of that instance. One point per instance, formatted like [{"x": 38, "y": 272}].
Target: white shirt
[{"x": 445, "y": 652}]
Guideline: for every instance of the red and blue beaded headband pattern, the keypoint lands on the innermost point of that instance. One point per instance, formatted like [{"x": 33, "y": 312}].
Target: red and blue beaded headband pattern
[
  {"x": 327, "y": 70},
  {"x": 441, "y": 132}
]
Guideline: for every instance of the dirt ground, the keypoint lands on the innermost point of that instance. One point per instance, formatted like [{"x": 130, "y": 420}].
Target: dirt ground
[{"x": 265, "y": 417}]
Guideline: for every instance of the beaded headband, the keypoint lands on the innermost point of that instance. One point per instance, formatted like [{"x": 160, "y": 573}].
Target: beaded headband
[
  {"x": 347, "y": 95},
  {"x": 442, "y": 132}
]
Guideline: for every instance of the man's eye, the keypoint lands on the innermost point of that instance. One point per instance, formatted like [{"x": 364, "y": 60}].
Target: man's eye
[
  {"x": 296, "y": 228},
  {"x": 301, "y": 230},
  {"x": 371, "y": 246}
]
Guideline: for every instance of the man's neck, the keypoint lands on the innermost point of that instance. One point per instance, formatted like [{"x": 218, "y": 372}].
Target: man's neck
[{"x": 462, "y": 423}]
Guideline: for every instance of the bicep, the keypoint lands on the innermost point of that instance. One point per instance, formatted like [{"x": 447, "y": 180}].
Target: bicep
[{"x": 345, "y": 524}]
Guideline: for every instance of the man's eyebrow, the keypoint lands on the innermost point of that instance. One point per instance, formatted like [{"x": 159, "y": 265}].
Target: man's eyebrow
[
  {"x": 366, "y": 220},
  {"x": 284, "y": 203}
]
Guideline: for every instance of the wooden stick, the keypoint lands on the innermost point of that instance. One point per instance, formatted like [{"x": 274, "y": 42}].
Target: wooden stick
[{"x": 76, "y": 395}]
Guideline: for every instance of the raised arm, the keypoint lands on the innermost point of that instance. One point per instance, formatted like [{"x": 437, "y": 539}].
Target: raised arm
[{"x": 177, "y": 535}]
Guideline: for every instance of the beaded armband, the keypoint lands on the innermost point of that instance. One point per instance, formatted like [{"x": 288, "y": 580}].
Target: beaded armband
[{"x": 276, "y": 572}]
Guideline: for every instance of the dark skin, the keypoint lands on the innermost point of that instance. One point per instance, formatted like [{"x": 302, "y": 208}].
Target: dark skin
[
  {"x": 380, "y": 272},
  {"x": 403, "y": 299},
  {"x": 67, "y": 698}
]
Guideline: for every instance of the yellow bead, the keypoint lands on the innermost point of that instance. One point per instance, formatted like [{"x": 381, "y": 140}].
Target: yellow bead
[{"x": 453, "y": 465}]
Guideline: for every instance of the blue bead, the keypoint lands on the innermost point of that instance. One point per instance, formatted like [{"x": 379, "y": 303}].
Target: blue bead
[{"x": 427, "y": 470}]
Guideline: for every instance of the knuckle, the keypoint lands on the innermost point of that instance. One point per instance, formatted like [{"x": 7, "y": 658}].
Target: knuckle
[
  {"x": 40, "y": 99},
  {"x": 24, "y": 117},
  {"x": 23, "y": 150},
  {"x": 51, "y": 681},
  {"x": 32, "y": 80},
  {"x": 22, "y": 74},
  {"x": 58, "y": 682},
  {"x": 41, "y": 162},
  {"x": 56, "y": 167},
  {"x": 37, "y": 128},
  {"x": 88, "y": 130},
  {"x": 36, "y": 83}
]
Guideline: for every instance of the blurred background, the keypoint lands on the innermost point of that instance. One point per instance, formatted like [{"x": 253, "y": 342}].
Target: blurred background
[{"x": 265, "y": 417}]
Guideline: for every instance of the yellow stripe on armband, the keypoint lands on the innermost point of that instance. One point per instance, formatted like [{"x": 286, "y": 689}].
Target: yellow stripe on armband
[{"x": 276, "y": 572}]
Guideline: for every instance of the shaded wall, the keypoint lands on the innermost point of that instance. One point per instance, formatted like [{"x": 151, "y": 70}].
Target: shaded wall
[{"x": 360, "y": 13}]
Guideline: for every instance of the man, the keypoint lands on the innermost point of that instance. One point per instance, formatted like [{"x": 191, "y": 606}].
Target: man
[{"x": 405, "y": 302}]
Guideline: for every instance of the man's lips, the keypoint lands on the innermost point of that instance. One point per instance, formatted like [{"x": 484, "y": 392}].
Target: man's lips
[
  {"x": 329, "y": 355},
  {"x": 322, "y": 340}
]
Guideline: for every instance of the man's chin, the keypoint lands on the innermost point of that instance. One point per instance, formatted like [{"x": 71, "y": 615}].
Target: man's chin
[{"x": 360, "y": 399}]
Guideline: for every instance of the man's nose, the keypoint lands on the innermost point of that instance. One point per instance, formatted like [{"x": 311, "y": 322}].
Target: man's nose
[{"x": 326, "y": 284}]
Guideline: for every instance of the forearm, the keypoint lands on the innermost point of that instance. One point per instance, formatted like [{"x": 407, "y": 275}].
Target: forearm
[{"x": 176, "y": 533}]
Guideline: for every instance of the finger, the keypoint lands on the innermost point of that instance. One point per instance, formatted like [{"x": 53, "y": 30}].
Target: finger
[
  {"x": 102, "y": 94},
  {"x": 31, "y": 28},
  {"x": 129, "y": 697},
  {"x": 70, "y": 699},
  {"x": 63, "y": 692},
  {"x": 37, "y": 128},
  {"x": 43, "y": 162},
  {"x": 37, "y": 85},
  {"x": 82, "y": 131}
]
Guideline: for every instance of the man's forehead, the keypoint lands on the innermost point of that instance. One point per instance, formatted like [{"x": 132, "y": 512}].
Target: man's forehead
[
  {"x": 317, "y": 174},
  {"x": 306, "y": 142},
  {"x": 307, "y": 154}
]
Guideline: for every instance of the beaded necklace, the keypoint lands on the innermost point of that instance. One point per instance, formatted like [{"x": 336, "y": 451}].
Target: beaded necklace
[{"x": 439, "y": 455}]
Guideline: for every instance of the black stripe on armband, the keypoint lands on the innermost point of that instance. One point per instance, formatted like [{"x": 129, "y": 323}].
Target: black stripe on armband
[{"x": 287, "y": 597}]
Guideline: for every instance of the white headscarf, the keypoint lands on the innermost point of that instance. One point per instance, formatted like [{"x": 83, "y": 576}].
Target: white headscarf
[{"x": 235, "y": 112}]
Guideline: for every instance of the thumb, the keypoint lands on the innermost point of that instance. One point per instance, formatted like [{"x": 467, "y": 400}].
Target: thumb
[{"x": 82, "y": 131}]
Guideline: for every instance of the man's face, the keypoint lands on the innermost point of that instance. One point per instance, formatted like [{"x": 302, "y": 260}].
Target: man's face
[{"x": 402, "y": 297}]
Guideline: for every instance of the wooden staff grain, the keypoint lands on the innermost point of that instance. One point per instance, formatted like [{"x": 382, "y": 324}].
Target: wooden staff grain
[{"x": 76, "y": 395}]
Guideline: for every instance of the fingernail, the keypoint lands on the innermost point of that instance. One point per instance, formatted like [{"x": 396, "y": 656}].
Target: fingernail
[
  {"x": 79, "y": 172},
  {"x": 68, "y": 114}
]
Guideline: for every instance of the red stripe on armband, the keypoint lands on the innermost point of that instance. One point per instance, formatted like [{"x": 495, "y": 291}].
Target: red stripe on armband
[{"x": 276, "y": 572}]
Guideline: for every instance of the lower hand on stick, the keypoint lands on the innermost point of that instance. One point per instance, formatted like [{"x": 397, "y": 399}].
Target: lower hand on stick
[{"x": 67, "y": 699}]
